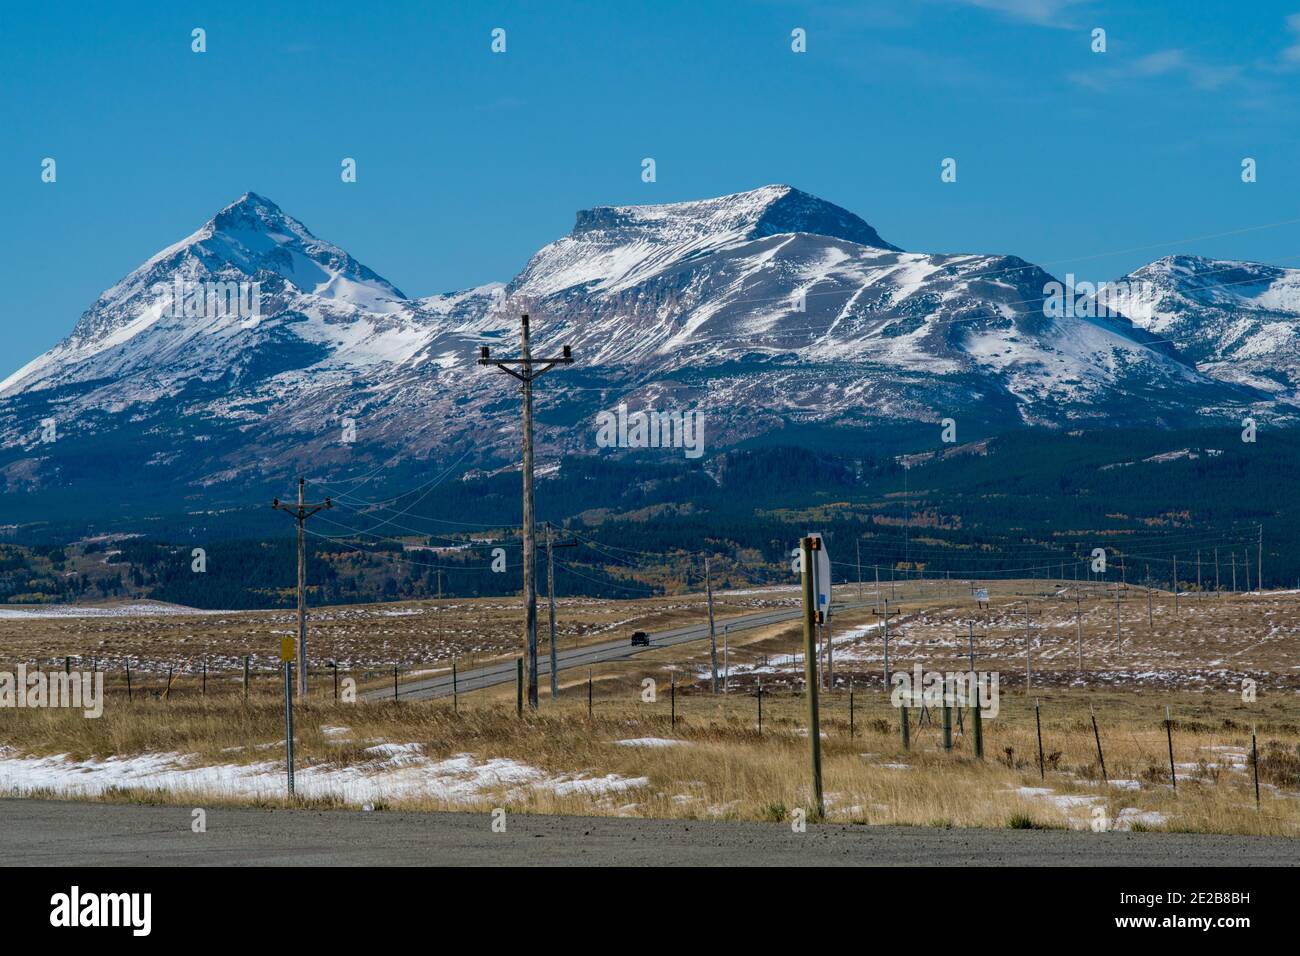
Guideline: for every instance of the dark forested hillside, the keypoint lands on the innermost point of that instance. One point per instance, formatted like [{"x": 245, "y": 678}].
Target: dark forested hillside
[{"x": 1022, "y": 504}]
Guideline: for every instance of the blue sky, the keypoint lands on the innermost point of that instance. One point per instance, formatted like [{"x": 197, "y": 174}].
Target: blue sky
[{"x": 468, "y": 161}]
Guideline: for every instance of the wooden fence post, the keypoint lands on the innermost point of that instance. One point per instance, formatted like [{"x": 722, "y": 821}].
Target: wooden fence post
[
  {"x": 1101, "y": 758},
  {"x": 1254, "y": 759},
  {"x": 1169, "y": 735},
  {"x": 947, "y": 717},
  {"x": 1038, "y": 722}
]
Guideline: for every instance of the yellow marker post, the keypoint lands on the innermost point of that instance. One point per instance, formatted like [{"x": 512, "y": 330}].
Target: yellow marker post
[{"x": 287, "y": 653}]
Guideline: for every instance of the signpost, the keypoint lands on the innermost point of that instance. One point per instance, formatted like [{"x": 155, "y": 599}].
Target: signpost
[
  {"x": 287, "y": 652},
  {"x": 822, "y": 578},
  {"x": 808, "y": 549},
  {"x": 821, "y": 565}
]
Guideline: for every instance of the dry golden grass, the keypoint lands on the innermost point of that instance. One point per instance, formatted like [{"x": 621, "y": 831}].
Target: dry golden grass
[{"x": 720, "y": 766}]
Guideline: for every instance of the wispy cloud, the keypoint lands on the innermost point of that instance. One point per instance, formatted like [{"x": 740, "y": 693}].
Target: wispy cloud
[
  {"x": 1172, "y": 63},
  {"x": 1291, "y": 55},
  {"x": 1047, "y": 13}
]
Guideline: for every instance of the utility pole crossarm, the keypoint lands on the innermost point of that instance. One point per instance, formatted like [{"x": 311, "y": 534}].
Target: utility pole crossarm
[
  {"x": 299, "y": 513},
  {"x": 529, "y": 374}
]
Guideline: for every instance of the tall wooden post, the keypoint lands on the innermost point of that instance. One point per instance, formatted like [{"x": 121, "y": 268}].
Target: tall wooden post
[
  {"x": 713, "y": 637},
  {"x": 300, "y": 513},
  {"x": 1169, "y": 735},
  {"x": 947, "y": 714},
  {"x": 806, "y": 547},
  {"x": 530, "y": 581},
  {"x": 1259, "y": 570},
  {"x": 526, "y": 375},
  {"x": 302, "y": 593},
  {"x": 550, "y": 597},
  {"x": 1038, "y": 723}
]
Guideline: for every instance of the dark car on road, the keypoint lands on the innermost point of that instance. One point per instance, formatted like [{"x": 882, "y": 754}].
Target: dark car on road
[{"x": 640, "y": 639}]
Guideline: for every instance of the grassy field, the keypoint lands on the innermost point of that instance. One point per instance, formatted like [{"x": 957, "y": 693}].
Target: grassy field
[
  {"x": 408, "y": 634},
  {"x": 628, "y": 755}
]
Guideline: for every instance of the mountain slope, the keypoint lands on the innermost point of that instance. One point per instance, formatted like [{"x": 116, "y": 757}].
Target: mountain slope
[
  {"x": 777, "y": 315},
  {"x": 1238, "y": 321}
]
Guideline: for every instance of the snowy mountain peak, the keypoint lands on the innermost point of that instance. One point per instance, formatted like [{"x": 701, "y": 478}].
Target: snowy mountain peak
[
  {"x": 1238, "y": 321},
  {"x": 253, "y": 234},
  {"x": 614, "y": 247},
  {"x": 250, "y": 259},
  {"x": 251, "y": 240},
  {"x": 252, "y": 214},
  {"x": 766, "y": 211}
]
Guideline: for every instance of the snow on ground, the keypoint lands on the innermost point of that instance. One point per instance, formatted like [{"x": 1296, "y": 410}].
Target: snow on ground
[
  {"x": 400, "y": 772},
  {"x": 741, "y": 592},
  {"x": 649, "y": 742},
  {"x": 1131, "y": 815},
  {"x": 793, "y": 663},
  {"x": 1071, "y": 803},
  {"x": 118, "y": 610}
]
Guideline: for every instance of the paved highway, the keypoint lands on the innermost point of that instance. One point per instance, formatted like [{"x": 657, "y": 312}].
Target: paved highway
[
  {"x": 490, "y": 675},
  {"x": 67, "y": 833}
]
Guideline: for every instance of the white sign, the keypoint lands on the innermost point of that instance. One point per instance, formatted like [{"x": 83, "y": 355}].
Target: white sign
[
  {"x": 982, "y": 595},
  {"x": 822, "y": 576}
]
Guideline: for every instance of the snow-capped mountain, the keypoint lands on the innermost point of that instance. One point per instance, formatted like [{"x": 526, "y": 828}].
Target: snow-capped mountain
[
  {"x": 1238, "y": 321},
  {"x": 831, "y": 324},
  {"x": 768, "y": 310}
]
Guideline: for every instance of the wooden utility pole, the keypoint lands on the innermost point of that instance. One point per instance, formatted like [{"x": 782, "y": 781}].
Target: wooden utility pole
[
  {"x": 1029, "y": 662},
  {"x": 857, "y": 543},
  {"x": 1175, "y": 585},
  {"x": 1259, "y": 576},
  {"x": 884, "y": 616},
  {"x": 551, "y": 546},
  {"x": 1234, "y": 572},
  {"x": 300, "y": 513},
  {"x": 726, "y": 658},
  {"x": 528, "y": 371},
  {"x": 550, "y": 600},
  {"x": 806, "y": 548},
  {"x": 550, "y": 597},
  {"x": 713, "y": 637},
  {"x": 1118, "y": 637},
  {"x": 1078, "y": 625}
]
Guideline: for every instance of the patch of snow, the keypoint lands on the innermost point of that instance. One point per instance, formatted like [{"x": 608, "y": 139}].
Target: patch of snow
[
  {"x": 402, "y": 774},
  {"x": 649, "y": 742}
]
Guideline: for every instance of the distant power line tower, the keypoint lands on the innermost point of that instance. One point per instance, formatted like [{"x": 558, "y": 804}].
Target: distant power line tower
[
  {"x": 526, "y": 369},
  {"x": 300, "y": 513}
]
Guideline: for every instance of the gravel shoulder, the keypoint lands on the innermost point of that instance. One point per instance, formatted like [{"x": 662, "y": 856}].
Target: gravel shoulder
[{"x": 71, "y": 833}]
